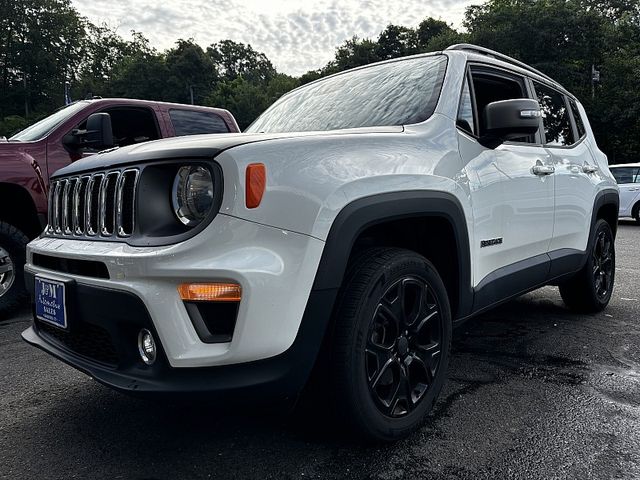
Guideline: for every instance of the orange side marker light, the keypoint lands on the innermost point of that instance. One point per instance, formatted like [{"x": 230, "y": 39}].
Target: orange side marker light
[{"x": 255, "y": 184}]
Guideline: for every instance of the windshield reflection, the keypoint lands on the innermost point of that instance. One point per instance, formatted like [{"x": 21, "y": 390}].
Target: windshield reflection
[{"x": 395, "y": 93}]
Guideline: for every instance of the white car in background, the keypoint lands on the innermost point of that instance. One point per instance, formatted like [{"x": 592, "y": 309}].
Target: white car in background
[{"x": 628, "y": 178}]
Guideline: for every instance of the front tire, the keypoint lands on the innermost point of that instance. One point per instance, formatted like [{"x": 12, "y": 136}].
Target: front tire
[
  {"x": 589, "y": 291},
  {"x": 13, "y": 245},
  {"x": 390, "y": 344}
]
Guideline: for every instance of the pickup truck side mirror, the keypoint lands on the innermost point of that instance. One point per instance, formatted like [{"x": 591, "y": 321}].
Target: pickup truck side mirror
[
  {"x": 97, "y": 135},
  {"x": 509, "y": 119}
]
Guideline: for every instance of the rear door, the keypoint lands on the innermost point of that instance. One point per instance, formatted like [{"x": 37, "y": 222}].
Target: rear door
[{"x": 576, "y": 174}]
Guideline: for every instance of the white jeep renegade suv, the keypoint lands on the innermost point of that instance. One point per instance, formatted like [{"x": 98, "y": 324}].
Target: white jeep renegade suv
[{"x": 359, "y": 218}]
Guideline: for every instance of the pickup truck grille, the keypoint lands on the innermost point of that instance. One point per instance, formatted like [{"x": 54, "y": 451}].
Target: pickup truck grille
[{"x": 101, "y": 204}]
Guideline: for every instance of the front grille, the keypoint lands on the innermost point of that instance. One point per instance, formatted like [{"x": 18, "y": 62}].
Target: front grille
[
  {"x": 85, "y": 339},
  {"x": 100, "y": 204}
]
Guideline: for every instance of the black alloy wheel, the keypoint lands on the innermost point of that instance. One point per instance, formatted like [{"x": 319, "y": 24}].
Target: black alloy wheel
[
  {"x": 402, "y": 353},
  {"x": 389, "y": 343},
  {"x": 603, "y": 264},
  {"x": 589, "y": 290}
]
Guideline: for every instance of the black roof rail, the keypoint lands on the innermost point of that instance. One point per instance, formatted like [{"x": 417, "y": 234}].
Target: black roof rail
[{"x": 469, "y": 47}]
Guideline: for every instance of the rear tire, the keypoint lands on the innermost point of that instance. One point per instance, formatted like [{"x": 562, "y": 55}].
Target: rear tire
[
  {"x": 390, "y": 344},
  {"x": 589, "y": 291},
  {"x": 636, "y": 213},
  {"x": 13, "y": 293}
]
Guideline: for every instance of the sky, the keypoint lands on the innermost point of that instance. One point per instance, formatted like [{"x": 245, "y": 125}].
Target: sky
[{"x": 296, "y": 35}]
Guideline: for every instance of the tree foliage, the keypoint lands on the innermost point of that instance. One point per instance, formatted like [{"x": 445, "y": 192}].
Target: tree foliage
[{"x": 45, "y": 43}]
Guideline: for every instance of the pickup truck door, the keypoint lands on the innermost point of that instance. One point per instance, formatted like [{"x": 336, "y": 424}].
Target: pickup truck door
[{"x": 130, "y": 124}]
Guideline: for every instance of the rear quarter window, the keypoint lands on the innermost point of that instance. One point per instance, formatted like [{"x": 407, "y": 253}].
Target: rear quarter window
[
  {"x": 577, "y": 117},
  {"x": 192, "y": 122},
  {"x": 557, "y": 126}
]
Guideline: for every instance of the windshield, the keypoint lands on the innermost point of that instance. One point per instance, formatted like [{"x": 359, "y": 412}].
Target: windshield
[
  {"x": 394, "y": 93},
  {"x": 42, "y": 128}
]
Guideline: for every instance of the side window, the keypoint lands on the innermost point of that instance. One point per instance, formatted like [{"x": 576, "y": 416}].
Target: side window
[
  {"x": 130, "y": 125},
  {"x": 491, "y": 87},
  {"x": 625, "y": 175},
  {"x": 577, "y": 117},
  {"x": 557, "y": 126},
  {"x": 192, "y": 122},
  {"x": 465, "y": 118}
]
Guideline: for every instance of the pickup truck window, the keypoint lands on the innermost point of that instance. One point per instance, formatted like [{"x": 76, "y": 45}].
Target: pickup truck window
[
  {"x": 192, "y": 122},
  {"x": 41, "y": 129},
  {"x": 393, "y": 93},
  {"x": 130, "y": 125}
]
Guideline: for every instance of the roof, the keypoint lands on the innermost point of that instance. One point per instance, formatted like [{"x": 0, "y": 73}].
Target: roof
[
  {"x": 618, "y": 165},
  {"x": 482, "y": 54}
]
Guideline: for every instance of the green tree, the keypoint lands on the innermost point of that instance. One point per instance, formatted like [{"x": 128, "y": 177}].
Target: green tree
[
  {"x": 190, "y": 72},
  {"x": 431, "y": 28},
  {"x": 232, "y": 60},
  {"x": 41, "y": 46},
  {"x": 397, "y": 41}
]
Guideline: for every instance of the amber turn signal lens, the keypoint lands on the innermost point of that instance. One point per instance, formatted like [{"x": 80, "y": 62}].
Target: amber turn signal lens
[
  {"x": 210, "y": 292},
  {"x": 255, "y": 184}
]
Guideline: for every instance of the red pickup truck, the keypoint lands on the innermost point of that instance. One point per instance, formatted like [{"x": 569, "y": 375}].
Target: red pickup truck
[{"x": 80, "y": 129}]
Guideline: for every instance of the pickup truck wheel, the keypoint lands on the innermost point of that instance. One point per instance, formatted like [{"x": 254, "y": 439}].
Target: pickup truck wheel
[
  {"x": 12, "y": 259},
  {"x": 589, "y": 291},
  {"x": 390, "y": 344}
]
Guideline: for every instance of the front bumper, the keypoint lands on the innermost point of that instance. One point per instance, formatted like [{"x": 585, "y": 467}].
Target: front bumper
[
  {"x": 278, "y": 332},
  {"x": 274, "y": 267},
  {"x": 119, "y": 315}
]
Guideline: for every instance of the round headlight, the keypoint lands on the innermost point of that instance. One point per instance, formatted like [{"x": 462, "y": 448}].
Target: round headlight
[{"x": 192, "y": 194}]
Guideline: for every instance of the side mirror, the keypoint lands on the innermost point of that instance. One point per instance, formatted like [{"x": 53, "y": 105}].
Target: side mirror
[
  {"x": 509, "y": 119},
  {"x": 99, "y": 133}
]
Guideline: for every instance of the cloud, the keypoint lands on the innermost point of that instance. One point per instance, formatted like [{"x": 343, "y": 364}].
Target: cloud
[{"x": 297, "y": 36}]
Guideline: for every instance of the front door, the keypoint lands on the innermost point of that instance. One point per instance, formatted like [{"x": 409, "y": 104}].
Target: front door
[{"x": 527, "y": 180}]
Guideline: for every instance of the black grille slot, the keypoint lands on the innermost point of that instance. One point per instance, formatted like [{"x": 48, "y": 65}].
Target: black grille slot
[
  {"x": 93, "y": 195},
  {"x": 67, "y": 206},
  {"x": 107, "y": 204},
  {"x": 126, "y": 202},
  {"x": 80, "y": 205},
  {"x": 58, "y": 208},
  {"x": 87, "y": 268},
  {"x": 85, "y": 339}
]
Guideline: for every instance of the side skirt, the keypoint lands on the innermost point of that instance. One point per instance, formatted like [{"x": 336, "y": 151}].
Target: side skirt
[{"x": 522, "y": 277}]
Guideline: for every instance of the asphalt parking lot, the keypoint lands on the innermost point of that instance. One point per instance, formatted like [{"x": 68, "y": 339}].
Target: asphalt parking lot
[{"x": 534, "y": 392}]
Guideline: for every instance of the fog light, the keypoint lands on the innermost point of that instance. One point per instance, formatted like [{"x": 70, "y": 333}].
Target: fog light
[{"x": 146, "y": 346}]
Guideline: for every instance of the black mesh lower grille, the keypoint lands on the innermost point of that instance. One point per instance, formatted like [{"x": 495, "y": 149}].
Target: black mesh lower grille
[{"x": 90, "y": 341}]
